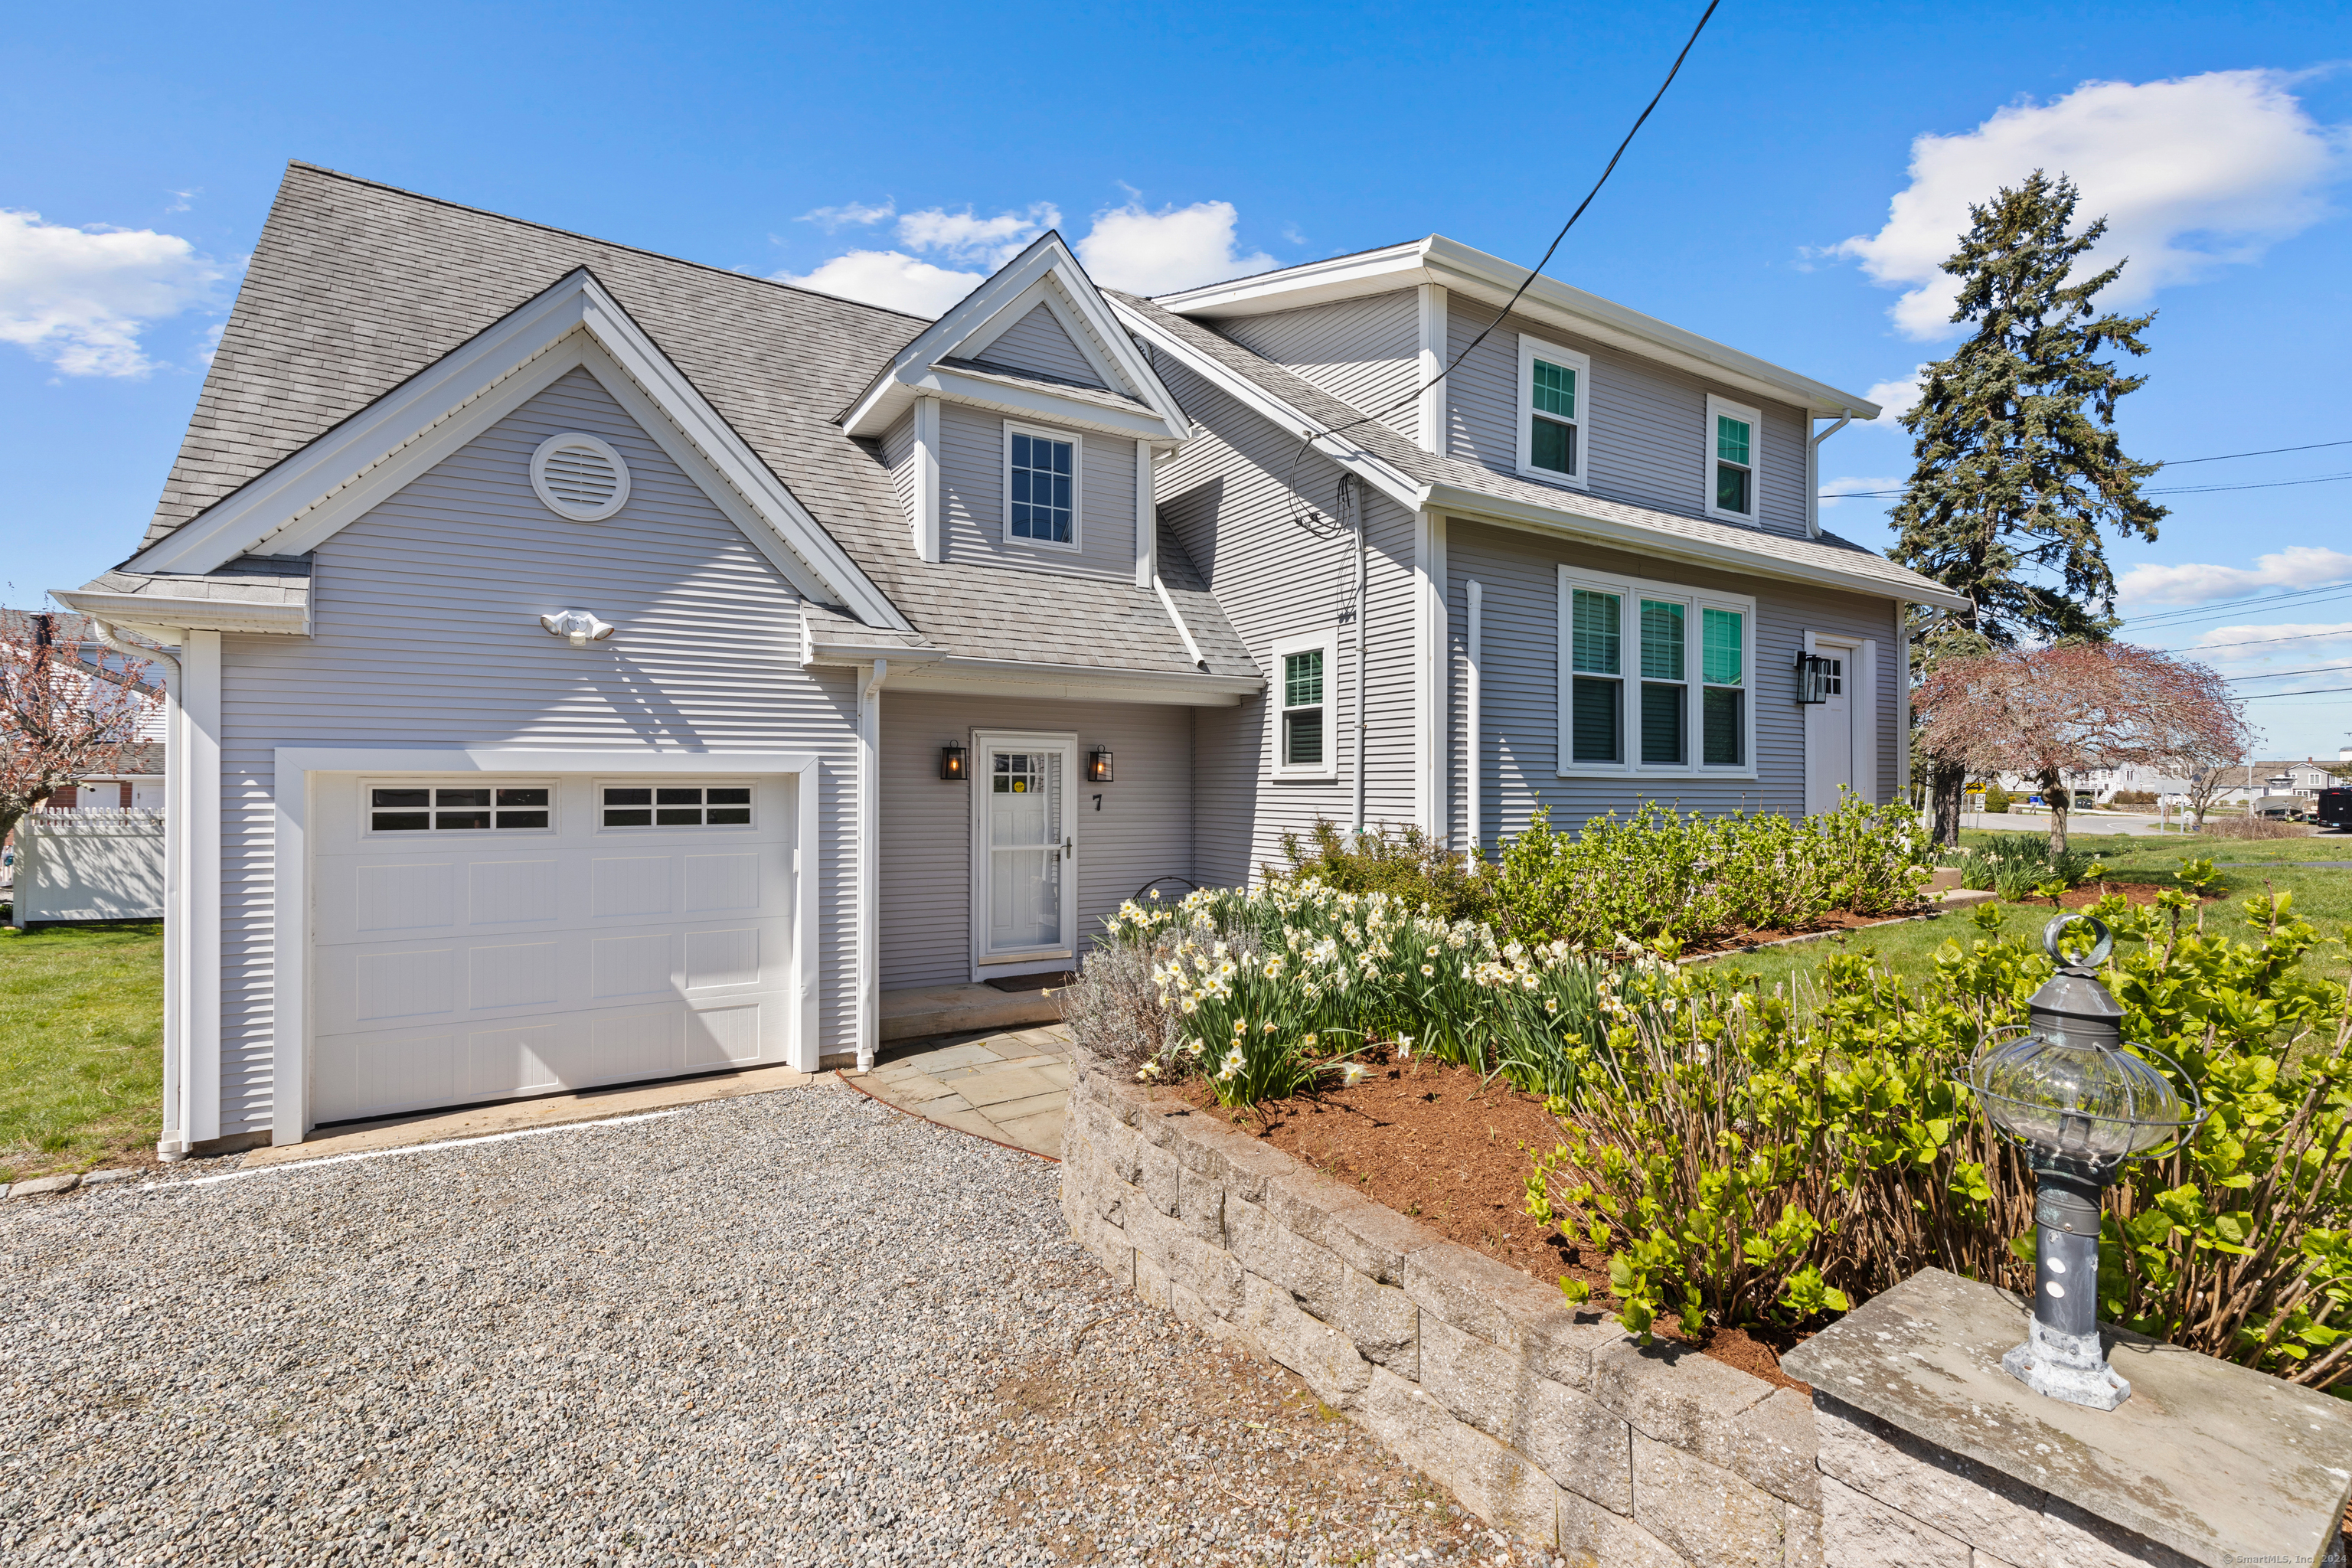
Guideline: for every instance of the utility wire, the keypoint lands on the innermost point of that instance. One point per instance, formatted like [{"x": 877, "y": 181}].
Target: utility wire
[
  {"x": 2169, "y": 491},
  {"x": 2320, "y": 691},
  {"x": 2228, "y": 607},
  {"x": 1525, "y": 283},
  {"x": 2176, "y": 463},
  {"x": 2262, "y": 642},
  {"x": 2282, "y": 674}
]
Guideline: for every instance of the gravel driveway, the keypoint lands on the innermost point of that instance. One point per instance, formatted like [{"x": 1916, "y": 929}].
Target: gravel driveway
[{"x": 794, "y": 1328}]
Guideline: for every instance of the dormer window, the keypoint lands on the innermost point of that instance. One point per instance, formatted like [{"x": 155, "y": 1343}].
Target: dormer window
[
  {"x": 1554, "y": 390},
  {"x": 1041, "y": 487},
  {"x": 1732, "y": 448}
]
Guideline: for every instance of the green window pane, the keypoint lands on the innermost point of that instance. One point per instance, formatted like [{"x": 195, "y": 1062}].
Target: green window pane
[
  {"x": 1594, "y": 635},
  {"x": 1730, "y": 489},
  {"x": 1662, "y": 640},
  {"x": 1661, "y": 725},
  {"x": 1593, "y": 723},
  {"x": 1302, "y": 738},
  {"x": 1723, "y": 721},
  {"x": 1720, "y": 629},
  {"x": 1553, "y": 446},
  {"x": 1554, "y": 391},
  {"x": 1302, "y": 679},
  {"x": 1730, "y": 439}
]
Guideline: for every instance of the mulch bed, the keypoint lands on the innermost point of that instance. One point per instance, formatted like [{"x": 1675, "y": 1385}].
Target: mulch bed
[{"x": 1434, "y": 1143}]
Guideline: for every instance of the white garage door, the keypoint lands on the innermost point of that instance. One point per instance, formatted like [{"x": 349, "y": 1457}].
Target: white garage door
[{"x": 487, "y": 935}]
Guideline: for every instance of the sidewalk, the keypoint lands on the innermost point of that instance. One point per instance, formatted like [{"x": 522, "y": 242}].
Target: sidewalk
[{"x": 1011, "y": 1088}]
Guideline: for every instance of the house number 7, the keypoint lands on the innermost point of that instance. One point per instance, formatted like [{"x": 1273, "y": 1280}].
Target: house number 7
[{"x": 1098, "y": 802}]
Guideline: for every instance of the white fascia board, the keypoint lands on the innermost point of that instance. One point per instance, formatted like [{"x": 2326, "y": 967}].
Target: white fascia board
[
  {"x": 879, "y": 405},
  {"x": 958, "y": 673},
  {"x": 309, "y": 496},
  {"x": 187, "y": 613},
  {"x": 1492, "y": 280},
  {"x": 498, "y": 759},
  {"x": 1047, "y": 291},
  {"x": 1477, "y": 506},
  {"x": 1389, "y": 481},
  {"x": 1040, "y": 403}
]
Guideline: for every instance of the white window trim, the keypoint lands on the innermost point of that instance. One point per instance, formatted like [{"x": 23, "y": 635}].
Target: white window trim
[
  {"x": 1630, "y": 591},
  {"x": 1530, "y": 349},
  {"x": 1325, "y": 641},
  {"x": 1077, "y": 488},
  {"x": 1755, "y": 418}
]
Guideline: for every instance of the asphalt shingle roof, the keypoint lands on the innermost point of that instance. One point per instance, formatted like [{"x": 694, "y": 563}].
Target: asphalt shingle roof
[
  {"x": 1377, "y": 440},
  {"x": 354, "y": 287}
]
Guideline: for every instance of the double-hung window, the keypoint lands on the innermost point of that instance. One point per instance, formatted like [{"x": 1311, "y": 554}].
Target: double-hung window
[
  {"x": 1305, "y": 672},
  {"x": 1041, "y": 487},
  {"x": 1734, "y": 445},
  {"x": 1652, "y": 677},
  {"x": 1554, "y": 396}
]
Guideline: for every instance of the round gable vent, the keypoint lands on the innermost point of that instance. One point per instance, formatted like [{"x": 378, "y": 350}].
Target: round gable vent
[{"x": 579, "y": 477}]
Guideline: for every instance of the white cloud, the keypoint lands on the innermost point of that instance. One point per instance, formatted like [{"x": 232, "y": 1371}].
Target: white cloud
[
  {"x": 1896, "y": 398},
  {"x": 890, "y": 279},
  {"x": 962, "y": 236},
  {"x": 849, "y": 215},
  {"x": 81, "y": 297},
  {"x": 1838, "y": 490},
  {"x": 2192, "y": 173},
  {"x": 1146, "y": 252},
  {"x": 2296, "y": 566}
]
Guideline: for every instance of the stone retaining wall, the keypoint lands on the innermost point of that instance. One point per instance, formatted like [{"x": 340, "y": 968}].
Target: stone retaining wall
[{"x": 1549, "y": 1423}]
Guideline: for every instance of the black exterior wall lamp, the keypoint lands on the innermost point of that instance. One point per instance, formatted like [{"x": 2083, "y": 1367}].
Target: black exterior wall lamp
[
  {"x": 1098, "y": 769},
  {"x": 951, "y": 764}
]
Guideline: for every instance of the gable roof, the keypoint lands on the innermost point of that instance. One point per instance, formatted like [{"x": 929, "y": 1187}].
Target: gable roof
[
  {"x": 1429, "y": 481},
  {"x": 1046, "y": 277},
  {"x": 357, "y": 291}
]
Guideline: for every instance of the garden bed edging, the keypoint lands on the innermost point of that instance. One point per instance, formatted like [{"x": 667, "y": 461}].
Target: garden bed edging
[{"x": 1549, "y": 1422}]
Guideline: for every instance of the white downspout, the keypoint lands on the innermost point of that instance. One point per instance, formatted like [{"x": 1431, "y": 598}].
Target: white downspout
[
  {"x": 1353, "y": 488},
  {"x": 869, "y": 868},
  {"x": 1473, "y": 767},
  {"x": 173, "y": 1145},
  {"x": 1168, "y": 603},
  {"x": 1813, "y": 471}
]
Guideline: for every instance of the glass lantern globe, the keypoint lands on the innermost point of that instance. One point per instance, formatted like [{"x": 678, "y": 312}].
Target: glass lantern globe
[{"x": 2095, "y": 1103}]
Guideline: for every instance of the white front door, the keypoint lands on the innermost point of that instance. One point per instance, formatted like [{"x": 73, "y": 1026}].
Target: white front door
[
  {"x": 1024, "y": 892},
  {"x": 1829, "y": 731},
  {"x": 479, "y": 936}
]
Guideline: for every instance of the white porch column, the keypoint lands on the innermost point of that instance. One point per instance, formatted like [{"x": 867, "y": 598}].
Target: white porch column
[
  {"x": 870, "y": 868},
  {"x": 192, "y": 898},
  {"x": 1430, "y": 759}
]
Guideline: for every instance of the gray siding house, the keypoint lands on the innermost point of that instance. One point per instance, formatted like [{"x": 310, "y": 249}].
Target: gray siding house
[{"x": 588, "y": 667}]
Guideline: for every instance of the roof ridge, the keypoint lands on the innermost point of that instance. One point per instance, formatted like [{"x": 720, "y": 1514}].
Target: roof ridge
[{"x": 596, "y": 239}]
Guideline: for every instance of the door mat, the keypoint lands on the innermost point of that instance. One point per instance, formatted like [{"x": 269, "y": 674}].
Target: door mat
[{"x": 1057, "y": 980}]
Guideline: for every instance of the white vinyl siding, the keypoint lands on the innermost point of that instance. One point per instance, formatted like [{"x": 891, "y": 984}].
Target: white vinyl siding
[
  {"x": 1143, "y": 832},
  {"x": 1225, "y": 498},
  {"x": 1362, "y": 352},
  {"x": 1645, "y": 443},
  {"x": 427, "y": 634},
  {"x": 1037, "y": 342},
  {"x": 1520, "y": 736},
  {"x": 972, "y": 498}
]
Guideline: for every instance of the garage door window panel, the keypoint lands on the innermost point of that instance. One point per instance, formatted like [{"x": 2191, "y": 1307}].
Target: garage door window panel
[
  {"x": 472, "y": 808},
  {"x": 677, "y": 806}
]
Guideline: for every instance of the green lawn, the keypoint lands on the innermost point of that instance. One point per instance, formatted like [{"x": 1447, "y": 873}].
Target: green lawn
[
  {"x": 2322, "y": 896},
  {"x": 82, "y": 1046}
]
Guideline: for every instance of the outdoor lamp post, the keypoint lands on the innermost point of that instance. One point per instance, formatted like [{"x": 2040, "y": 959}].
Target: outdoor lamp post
[{"x": 2066, "y": 1088}]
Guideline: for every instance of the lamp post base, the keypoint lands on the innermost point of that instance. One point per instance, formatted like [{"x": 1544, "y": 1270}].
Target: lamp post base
[{"x": 2065, "y": 1366}]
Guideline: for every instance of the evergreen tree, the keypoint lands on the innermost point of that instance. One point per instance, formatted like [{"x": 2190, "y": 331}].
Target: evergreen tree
[{"x": 2017, "y": 464}]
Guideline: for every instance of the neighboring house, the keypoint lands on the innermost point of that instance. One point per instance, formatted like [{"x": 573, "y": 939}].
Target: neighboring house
[
  {"x": 2304, "y": 779},
  {"x": 592, "y": 666},
  {"x": 138, "y": 781}
]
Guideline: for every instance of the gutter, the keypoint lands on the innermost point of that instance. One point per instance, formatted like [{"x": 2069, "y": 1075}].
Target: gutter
[{"x": 210, "y": 615}]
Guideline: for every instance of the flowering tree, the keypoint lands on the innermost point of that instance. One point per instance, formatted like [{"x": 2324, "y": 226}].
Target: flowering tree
[
  {"x": 61, "y": 717},
  {"x": 2050, "y": 711}
]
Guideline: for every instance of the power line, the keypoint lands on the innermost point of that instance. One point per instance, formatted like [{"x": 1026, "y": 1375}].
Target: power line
[
  {"x": 2263, "y": 642},
  {"x": 2230, "y": 607},
  {"x": 2178, "y": 463},
  {"x": 2282, "y": 674},
  {"x": 2262, "y": 696},
  {"x": 2265, "y": 452},
  {"x": 2167, "y": 490},
  {"x": 1525, "y": 283}
]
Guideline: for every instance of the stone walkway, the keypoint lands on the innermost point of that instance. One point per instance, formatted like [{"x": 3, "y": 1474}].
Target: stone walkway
[{"x": 1010, "y": 1087}]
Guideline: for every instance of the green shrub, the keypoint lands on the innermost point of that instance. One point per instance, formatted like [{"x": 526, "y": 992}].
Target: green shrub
[
  {"x": 2019, "y": 861},
  {"x": 1996, "y": 799},
  {"x": 1661, "y": 874},
  {"x": 1404, "y": 863},
  {"x": 1741, "y": 1157}
]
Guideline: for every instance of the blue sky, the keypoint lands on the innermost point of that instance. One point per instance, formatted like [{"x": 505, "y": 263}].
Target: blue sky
[{"x": 1790, "y": 198}]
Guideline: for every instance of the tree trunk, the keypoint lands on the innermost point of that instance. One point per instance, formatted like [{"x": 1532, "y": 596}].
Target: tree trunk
[
  {"x": 1944, "y": 783},
  {"x": 2053, "y": 791}
]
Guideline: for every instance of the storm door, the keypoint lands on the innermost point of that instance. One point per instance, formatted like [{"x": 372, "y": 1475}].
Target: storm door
[{"x": 1024, "y": 869}]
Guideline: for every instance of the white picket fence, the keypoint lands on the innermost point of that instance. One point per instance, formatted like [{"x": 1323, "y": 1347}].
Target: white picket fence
[{"x": 91, "y": 864}]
